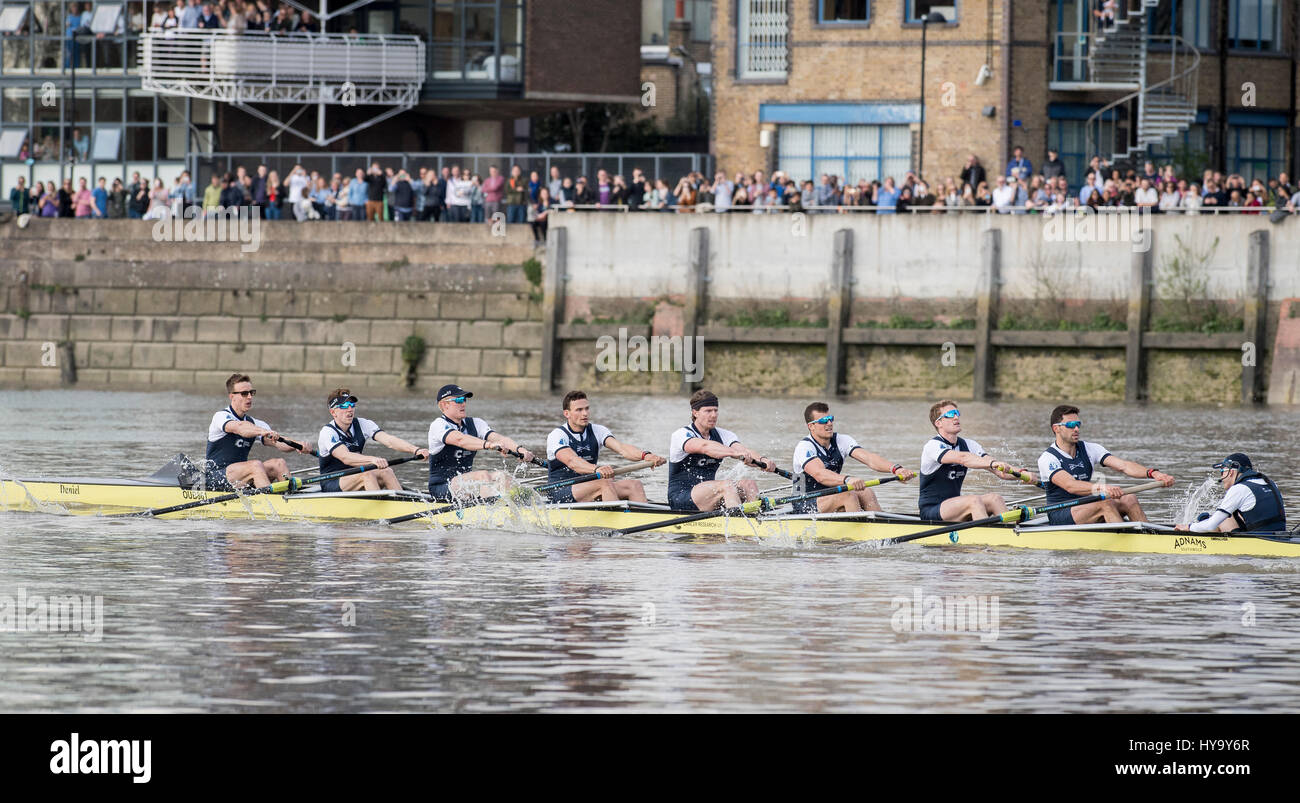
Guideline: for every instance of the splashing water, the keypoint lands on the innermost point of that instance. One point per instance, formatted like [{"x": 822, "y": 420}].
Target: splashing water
[{"x": 1196, "y": 500}]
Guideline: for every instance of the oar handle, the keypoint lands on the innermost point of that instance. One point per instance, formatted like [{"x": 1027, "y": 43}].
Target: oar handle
[
  {"x": 780, "y": 472},
  {"x": 537, "y": 461},
  {"x": 295, "y": 445},
  {"x": 597, "y": 475}
]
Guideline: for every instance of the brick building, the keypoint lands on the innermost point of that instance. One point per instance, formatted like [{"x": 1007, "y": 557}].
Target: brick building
[{"x": 834, "y": 86}]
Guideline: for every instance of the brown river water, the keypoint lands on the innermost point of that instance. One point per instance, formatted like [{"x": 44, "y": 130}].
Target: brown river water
[{"x": 288, "y": 617}]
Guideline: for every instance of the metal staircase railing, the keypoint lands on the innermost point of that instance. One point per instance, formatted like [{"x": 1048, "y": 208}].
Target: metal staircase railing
[
  {"x": 1117, "y": 55},
  {"x": 1161, "y": 110}
]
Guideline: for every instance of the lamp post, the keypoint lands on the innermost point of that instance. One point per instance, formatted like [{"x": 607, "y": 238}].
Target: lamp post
[
  {"x": 75, "y": 36},
  {"x": 936, "y": 17}
]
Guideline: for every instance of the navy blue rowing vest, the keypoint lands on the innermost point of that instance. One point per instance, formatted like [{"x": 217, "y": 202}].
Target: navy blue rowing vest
[
  {"x": 451, "y": 461},
  {"x": 830, "y": 457},
  {"x": 583, "y": 445},
  {"x": 945, "y": 482},
  {"x": 694, "y": 468},
  {"x": 1268, "y": 515},
  {"x": 354, "y": 440},
  {"x": 230, "y": 448},
  {"x": 1079, "y": 467}
]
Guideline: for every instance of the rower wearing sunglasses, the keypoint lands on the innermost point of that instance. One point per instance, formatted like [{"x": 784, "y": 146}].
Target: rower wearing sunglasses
[
  {"x": 944, "y": 463},
  {"x": 819, "y": 464},
  {"x": 694, "y": 453},
  {"x": 232, "y": 433},
  {"x": 1068, "y": 466},
  {"x": 454, "y": 438},
  {"x": 342, "y": 441},
  {"x": 1252, "y": 503}
]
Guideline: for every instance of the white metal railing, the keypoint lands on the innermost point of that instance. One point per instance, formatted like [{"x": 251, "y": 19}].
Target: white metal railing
[
  {"x": 1164, "y": 107},
  {"x": 257, "y": 66}
]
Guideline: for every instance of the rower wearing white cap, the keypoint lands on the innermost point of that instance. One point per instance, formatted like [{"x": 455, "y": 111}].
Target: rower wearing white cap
[
  {"x": 342, "y": 441},
  {"x": 454, "y": 438}
]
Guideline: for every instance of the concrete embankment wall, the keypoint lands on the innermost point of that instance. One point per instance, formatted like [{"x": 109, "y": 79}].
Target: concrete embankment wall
[
  {"x": 314, "y": 306},
  {"x": 1072, "y": 308}
]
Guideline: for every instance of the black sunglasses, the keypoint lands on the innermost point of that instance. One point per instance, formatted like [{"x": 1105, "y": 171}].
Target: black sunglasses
[{"x": 243, "y": 393}]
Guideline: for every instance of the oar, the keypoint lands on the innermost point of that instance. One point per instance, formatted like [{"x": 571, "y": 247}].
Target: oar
[
  {"x": 291, "y": 484},
  {"x": 752, "y": 506},
  {"x": 581, "y": 478},
  {"x": 296, "y": 445},
  {"x": 1016, "y": 514},
  {"x": 573, "y": 481},
  {"x": 537, "y": 461},
  {"x": 777, "y": 470}
]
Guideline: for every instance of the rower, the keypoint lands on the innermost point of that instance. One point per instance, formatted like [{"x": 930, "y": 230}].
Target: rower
[
  {"x": 944, "y": 461},
  {"x": 819, "y": 463},
  {"x": 1252, "y": 504},
  {"x": 573, "y": 449},
  {"x": 231, "y": 435},
  {"x": 694, "y": 454},
  {"x": 343, "y": 440},
  {"x": 451, "y": 471},
  {"x": 1068, "y": 465}
]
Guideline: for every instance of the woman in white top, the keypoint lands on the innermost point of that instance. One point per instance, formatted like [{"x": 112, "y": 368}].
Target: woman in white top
[
  {"x": 1170, "y": 200},
  {"x": 159, "y": 18},
  {"x": 1192, "y": 199},
  {"x": 238, "y": 22},
  {"x": 158, "y": 201}
]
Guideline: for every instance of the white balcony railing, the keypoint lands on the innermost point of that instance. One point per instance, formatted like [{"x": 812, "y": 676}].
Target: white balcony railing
[{"x": 261, "y": 67}]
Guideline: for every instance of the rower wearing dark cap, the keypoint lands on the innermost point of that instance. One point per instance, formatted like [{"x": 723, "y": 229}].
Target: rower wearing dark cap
[
  {"x": 454, "y": 438},
  {"x": 342, "y": 441},
  {"x": 694, "y": 454},
  {"x": 1252, "y": 504}
]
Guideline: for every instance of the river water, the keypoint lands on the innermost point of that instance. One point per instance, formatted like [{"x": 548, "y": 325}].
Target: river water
[{"x": 222, "y": 616}]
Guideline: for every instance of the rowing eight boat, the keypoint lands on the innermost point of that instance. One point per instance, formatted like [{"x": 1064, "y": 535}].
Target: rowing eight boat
[{"x": 102, "y": 497}]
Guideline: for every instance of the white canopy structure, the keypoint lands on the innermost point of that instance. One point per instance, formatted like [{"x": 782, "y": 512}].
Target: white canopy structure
[{"x": 250, "y": 67}]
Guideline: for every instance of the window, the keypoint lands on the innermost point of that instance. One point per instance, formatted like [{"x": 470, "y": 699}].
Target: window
[
  {"x": 1189, "y": 19},
  {"x": 916, "y": 10},
  {"x": 1253, "y": 25},
  {"x": 761, "y": 39},
  {"x": 852, "y": 152},
  {"x": 12, "y": 18},
  {"x": 1069, "y": 139},
  {"x": 833, "y": 11},
  {"x": 1256, "y": 151}
]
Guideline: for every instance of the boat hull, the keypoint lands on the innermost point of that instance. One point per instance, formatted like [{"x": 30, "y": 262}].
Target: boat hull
[{"x": 96, "y": 497}]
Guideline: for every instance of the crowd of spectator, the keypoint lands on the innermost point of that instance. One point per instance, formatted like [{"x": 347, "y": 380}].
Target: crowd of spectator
[
  {"x": 453, "y": 194},
  {"x": 233, "y": 15}
]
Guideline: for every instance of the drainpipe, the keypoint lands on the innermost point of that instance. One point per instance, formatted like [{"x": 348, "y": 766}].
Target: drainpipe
[
  {"x": 1004, "y": 142},
  {"x": 1221, "y": 156}
]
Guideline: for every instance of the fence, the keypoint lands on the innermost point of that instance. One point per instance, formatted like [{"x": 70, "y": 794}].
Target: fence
[{"x": 653, "y": 165}]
